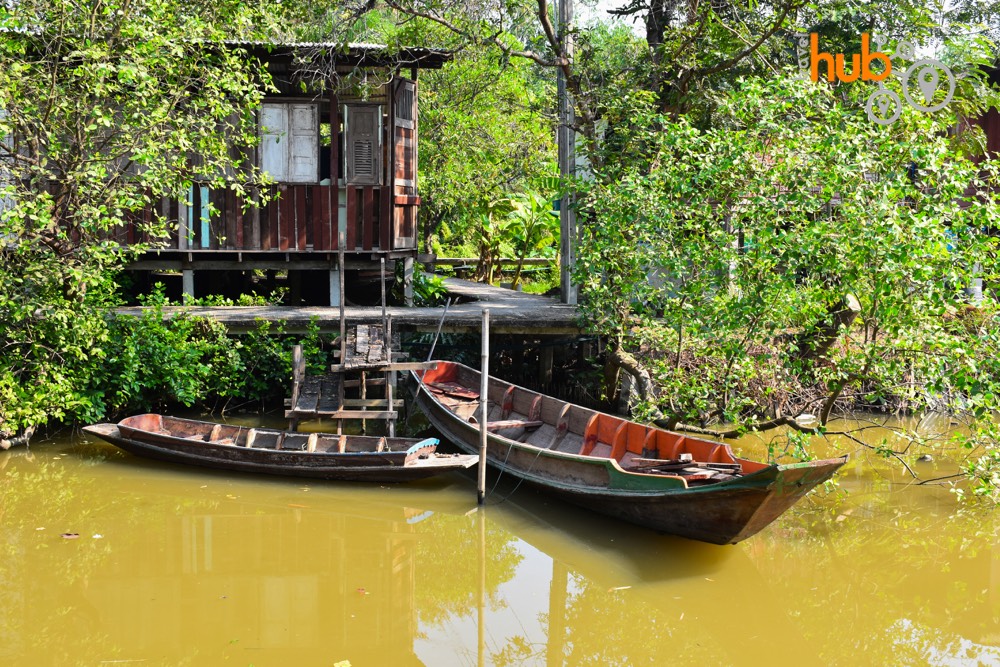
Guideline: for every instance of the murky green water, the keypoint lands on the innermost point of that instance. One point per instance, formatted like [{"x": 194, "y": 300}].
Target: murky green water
[{"x": 177, "y": 566}]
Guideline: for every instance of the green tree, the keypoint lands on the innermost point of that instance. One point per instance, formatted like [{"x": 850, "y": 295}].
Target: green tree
[
  {"x": 107, "y": 107},
  {"x": 485, "y": 133},
  {"x": 726, "y": 265}
]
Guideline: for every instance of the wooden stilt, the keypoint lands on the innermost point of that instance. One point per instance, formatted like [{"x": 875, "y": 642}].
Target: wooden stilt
[
  {"x": 364, "y": 395},
  {"x": 408, "y": 281},
  {"x": 545, "y": 364},
  {"x": 390, "y": 378},
  {"x": 187, "y": 282},
  {"x": 334, "y": 287}
]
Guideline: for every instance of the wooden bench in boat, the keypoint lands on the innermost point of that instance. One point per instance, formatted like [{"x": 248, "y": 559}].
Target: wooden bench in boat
[
  {"x": 454, "y": 390},
  {"x": 507, "y": 424},
  {"x": 680, "y": 464}
]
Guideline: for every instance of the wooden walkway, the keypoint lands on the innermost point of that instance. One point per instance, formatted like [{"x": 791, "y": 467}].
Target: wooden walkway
[{"x": 510, "y": 313}]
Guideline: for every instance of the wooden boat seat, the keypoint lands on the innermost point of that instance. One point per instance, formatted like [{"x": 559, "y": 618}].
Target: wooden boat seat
[
  {"x": 504, "y": 424},
  {"x": 682, "y": 466},
  {"x": 454, "y": 390},
  {"x": 507, "y": 404}
]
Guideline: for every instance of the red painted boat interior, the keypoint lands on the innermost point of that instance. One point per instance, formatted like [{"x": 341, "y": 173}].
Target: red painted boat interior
[{"x": 566, "y": 427}]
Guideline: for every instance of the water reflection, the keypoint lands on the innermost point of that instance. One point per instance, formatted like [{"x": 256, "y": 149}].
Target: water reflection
[{"x": 181, "y": 567}]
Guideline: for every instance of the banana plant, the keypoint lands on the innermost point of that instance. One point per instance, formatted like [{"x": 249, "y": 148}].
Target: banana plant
[{"x": 532, "y": 227}]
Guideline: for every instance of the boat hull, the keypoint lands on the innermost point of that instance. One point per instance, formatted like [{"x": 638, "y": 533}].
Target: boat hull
[
  {"x": 720, "y": 513},
  {"x": 354, "y": 466}
]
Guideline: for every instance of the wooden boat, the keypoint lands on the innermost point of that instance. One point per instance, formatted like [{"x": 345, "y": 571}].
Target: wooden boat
[
  {"x": 322, "y": 455},
  {"x": 666, "y": 481}
]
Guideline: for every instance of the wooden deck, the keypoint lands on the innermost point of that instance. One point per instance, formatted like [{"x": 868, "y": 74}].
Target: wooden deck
[{"x": 510, "y": 313}]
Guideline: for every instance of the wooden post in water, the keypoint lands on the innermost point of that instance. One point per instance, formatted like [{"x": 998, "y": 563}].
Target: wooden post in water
[
  {"x": 481, "y": 617},
  {"x": 484, "y": 371},
  {"x": 341, "y": 241},
  {"x": 558, "y": 585},
  {"x": 390, "y": 377}
]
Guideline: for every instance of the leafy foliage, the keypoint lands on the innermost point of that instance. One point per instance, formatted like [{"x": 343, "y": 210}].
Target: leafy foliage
[
  {"x": 485, "y": 135},
  {"x": 428, "y": 289},
  {"x": 105, "y": 105},
  {"x": 724, "y": 257}
]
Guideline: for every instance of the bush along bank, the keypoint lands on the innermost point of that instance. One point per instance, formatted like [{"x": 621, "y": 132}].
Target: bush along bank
[{"x": 110, "y": 365}]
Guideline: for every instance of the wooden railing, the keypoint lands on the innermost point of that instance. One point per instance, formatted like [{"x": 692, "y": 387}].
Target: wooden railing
[{"x": 294, "y": 218}]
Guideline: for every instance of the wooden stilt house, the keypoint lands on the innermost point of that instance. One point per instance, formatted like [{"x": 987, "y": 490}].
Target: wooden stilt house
[
  {"x": 339, "y": 139},
  {"x": 990, "y": 121}
]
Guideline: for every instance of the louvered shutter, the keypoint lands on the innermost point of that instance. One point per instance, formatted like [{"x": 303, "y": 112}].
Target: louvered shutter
[
  {"x": 405, "y": 135},
  {"x": 364, "y": 145}
]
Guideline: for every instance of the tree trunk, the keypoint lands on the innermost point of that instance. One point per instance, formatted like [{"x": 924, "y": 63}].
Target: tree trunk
[
  {"x": 815, "y": 345},
  {"x": 619, "y": 360},
  {"x": 22, "y": 439}
]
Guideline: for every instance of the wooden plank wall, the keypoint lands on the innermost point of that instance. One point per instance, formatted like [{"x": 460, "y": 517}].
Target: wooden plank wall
[
  {"x": 297, "y": 218},
  {"x": 990, "y": 122}
]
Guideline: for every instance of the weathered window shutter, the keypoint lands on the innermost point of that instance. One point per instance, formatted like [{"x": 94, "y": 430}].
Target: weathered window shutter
[
  {"x": 404, "y": 138},
  {"x": 303, "y": 144},
  {"x": 405, "y": 134},
  {"x": 274, "y": 130},
  {"x": 289, "y": 149},
  {"x": 364, "y": 144}
]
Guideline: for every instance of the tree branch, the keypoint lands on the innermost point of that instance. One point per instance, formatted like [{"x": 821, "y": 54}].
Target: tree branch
[{"x": 767, "y": 34}]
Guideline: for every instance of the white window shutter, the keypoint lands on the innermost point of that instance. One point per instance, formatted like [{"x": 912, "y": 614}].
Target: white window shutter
[
  {"x": 289, "y": 147},
  {"x": 274, "y": 140},
  {"x": 303, "y": 146}
]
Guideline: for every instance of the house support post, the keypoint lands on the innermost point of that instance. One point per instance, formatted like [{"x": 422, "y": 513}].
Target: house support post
[
  {"x": 295, "y": 287},
  {"x": 545, "y": 359},
  {"x": 567, "y": 161},
  {"x": 187, "y": 281},
  {"x": 334, "y": 287},
  {"x": 975, "y": 289},
  {"x": 408, "y": 280}
]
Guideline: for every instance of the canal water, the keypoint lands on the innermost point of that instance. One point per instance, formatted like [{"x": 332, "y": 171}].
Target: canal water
[{"x": 108, "y": 559}]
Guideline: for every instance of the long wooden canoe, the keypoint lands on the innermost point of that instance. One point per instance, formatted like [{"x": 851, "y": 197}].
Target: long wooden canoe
[
  {"x": 321, "y": 455},
  {"x": 666, "y": 481}
]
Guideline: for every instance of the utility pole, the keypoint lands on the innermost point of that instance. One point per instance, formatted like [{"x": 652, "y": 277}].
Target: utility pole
[{"x": 567, "y": 161}]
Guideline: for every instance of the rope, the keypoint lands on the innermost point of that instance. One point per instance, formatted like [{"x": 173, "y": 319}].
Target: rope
[{"x": 519, "y": 480}]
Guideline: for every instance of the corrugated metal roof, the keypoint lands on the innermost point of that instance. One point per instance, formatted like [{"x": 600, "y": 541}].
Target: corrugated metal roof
[
  {"x": 336, "y": 46},
  {"x": 360, "y": 46},
  {"x": 416, "y": 56}
]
